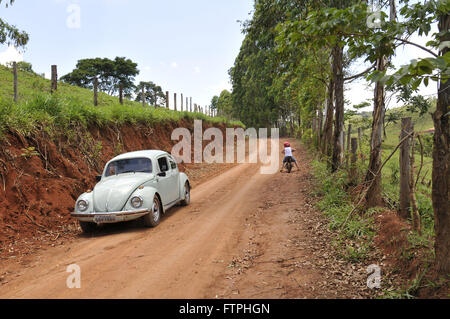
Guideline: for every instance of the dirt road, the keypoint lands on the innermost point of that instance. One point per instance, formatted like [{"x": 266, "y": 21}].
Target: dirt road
[{"x": 245, "y": 235}]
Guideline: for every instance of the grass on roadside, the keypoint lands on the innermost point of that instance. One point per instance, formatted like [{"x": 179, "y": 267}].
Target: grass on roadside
[
  {"x": 72, "y": 106},
  {"x": 355, "y": 231}
]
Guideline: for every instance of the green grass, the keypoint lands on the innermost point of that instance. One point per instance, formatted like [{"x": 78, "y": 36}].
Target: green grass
[
  {"x": 391, "y": 172},
  {"x": 355, "y": 231},
  {"x": 72, "y": 106}
]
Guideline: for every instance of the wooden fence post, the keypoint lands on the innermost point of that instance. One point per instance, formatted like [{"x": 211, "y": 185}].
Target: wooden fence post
[
  {"x": 175, "y": 101},
  {"x": 405, "y": 204},
  {"x": 182, "y": 102},
  {"x": 15, "y": 82},
  {"x": 54, "y": 82},
  {"x": 121, "y": 93},
  {"x": 360, "y": 133},
  {"x": 187, "y": 104},
  {"x": 191, "y": 106},
  {"x": 167, "y": 99},
  {"x": 313, "y": 127},
  {"x": 353, "y": 170},
  {"x": 95, "y": 91},
  {"x": 319, "y": 128},
  {"x": 349, "y": 136},
  {"x": 415, "y": 216}
]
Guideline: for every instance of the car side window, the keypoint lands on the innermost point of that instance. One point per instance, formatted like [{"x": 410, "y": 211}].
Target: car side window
[
  {"x": 173, "y": 165},
  {"x": 163, "y": 165}
]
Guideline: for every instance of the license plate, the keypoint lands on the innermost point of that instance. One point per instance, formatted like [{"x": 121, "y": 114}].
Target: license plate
[{"x": 104, "y": 219}]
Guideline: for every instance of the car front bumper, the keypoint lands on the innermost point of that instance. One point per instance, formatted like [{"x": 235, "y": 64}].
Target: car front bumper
[{"x": 110, "y": 217}]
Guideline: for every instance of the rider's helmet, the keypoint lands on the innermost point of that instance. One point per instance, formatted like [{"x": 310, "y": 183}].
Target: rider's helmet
[{"x": 287, "y": 144}]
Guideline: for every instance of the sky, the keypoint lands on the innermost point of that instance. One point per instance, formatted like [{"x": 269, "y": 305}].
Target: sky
[{"x": 187, "y": 47}]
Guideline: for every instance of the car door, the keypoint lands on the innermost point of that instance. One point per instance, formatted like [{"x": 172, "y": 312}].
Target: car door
[
  {"x": 168, "y": 184},
  {"x": 175, "y": 178},
  {"x": 164, "y": 180}
]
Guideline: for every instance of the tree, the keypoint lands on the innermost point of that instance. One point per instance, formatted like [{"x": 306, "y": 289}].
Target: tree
[
  {"x": 153, "y": 94},
  {"x": 22, "y": 66},
  {"x": 110, "y": 74},
  {"x": 214, "y": 103},
  {"x": 392, "y": 117},
  {"x": 10, "y": 34},
  {"x": 225, "y": 104},
  {"x": 255, "y": 67},
  {"x": 419, "y": 18},
  {"x": 441, "y": 154}
]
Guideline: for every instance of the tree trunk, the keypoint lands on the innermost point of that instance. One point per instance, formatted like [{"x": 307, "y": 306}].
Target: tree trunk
[
  {"x": 328, "y": 128},
  {"x": 415, "y": 216},
  {"x": 441, "y": 172},
  {"x": 405, "y": 168},
  {"x": 373, "y": 197},
  {"x": 121, "y": 93},
  {"x": 339, "y": 100}
]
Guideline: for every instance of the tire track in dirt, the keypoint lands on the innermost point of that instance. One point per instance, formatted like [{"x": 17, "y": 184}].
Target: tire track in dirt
[
  {"x": 174, "y": 260},
  {"x": 245, "y": 235}
]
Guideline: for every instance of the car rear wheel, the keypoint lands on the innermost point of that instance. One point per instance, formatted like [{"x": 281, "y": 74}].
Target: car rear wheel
[
  {"x": 88, "y": 227},
  {"x": 153, "y": 218},
  {"x": 187, "y": 195}
]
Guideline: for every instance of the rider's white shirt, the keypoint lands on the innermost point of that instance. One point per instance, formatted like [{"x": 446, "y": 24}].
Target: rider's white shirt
[{"x": 288, "y": 151}]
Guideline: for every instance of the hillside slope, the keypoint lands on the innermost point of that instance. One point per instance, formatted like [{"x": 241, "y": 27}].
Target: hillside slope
[{"x": 53, "y": 146}]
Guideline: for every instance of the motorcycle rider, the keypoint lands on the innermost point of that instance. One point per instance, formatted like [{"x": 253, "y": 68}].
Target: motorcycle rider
[{"x": 288, "y": 152}]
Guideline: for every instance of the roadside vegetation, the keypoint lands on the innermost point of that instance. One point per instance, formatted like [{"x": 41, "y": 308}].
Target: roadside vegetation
[
  {"x": 295, "y": 63},
  {"x": 71, "y": 107},
  {"x": 355, "y": 227}
]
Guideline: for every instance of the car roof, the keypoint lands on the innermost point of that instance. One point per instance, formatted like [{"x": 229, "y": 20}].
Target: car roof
[{"x": 147, "y": 153}]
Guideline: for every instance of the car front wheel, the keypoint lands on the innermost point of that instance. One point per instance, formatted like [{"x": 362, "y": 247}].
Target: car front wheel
[
  {"x": 153, "y": 218},
  {"x": 187, "y": 195},
  {"x": 88, "y": 227}
]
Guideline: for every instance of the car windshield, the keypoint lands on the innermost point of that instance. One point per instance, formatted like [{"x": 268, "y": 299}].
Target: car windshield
[{"x": 132, "y": 165}]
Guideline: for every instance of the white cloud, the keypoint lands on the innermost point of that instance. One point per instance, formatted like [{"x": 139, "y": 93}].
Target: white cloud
[
  {"x": 218, "y": 88},
  {"x": 10, "y": 55}
]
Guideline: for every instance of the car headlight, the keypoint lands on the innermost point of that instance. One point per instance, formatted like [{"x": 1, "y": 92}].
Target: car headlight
[
  {"x": 82, "y": 205},
  {"x": 137, "y": 202}
]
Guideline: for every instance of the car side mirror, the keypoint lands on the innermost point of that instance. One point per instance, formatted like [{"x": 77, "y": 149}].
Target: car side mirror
[
  {"x": 98, "y": 178},
  {"x": 163, "y": 174}
]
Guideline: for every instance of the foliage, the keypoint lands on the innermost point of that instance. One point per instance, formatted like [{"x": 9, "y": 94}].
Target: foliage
[
  {"x": 355, "y": 233},
  {"x": 71, "y": 107},
  {"x": 10, "y": 34},
  {"x": 153, "y": 93},
  {"x": 256, "y": 65},
  {"x": 224, "y": 104},
  {"x": 214, "y": 102},
  {"x": 22, "y": 65},
  {"x": 110, "y": 74}
]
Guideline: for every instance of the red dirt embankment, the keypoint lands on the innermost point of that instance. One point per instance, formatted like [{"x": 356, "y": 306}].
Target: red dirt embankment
[{"x": 41, "y": 177}]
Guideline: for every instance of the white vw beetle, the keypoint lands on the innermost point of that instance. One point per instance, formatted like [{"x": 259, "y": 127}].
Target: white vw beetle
[{"x": 133, "y": 185}]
